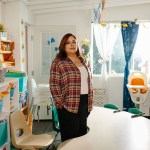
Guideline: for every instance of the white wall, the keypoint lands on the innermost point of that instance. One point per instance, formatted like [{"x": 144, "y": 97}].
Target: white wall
[
  {"x": 81, "y": 19},
  {"x": 14, "y": 12},
  {"x": 12, "y": 23},
  {"x": 0, "y": 11},
  {"x": 115, "y": 90},
  {"x": 28, "y": 19},
  {"x": 140, "y": 12}
]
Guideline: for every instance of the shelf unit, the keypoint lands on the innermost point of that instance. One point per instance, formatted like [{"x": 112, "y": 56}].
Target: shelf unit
[
  {"x": 9, "y": 105},
  {"x": 6, "y": 52}
]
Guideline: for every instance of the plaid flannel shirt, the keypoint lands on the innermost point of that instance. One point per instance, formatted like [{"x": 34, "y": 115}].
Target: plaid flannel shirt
[{"x": 65, "y": 85}]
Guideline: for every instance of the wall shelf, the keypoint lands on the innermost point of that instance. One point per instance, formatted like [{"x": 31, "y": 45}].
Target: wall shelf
[{"x": 6, "y": 52}]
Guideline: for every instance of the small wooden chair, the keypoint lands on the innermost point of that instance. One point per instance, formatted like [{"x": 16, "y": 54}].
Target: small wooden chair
[
  {"x": 40, "y": 96},
  {"x": 22, "y": 137}
]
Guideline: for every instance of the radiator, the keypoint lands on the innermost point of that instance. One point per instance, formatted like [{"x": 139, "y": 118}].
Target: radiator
[{"x": 99, "y": 97}]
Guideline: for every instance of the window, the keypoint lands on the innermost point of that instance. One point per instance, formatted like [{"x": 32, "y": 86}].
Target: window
[
  {"x": 96, "y": 65},
  {"x": 48, "y": 39},
  {"x": 116, "y": 62},
  {"x": 141, "y": 51},
  {"x": 49, "y": 51},
  {"x": 117, "y": 58}
]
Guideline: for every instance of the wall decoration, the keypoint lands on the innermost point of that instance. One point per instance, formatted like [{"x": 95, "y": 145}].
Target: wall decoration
[
  {"x": 23, "y": 60},
  {"x": 98, "y": 11},
  {"x": 23, "y": 46},
  {"x": 22, "y": 33},
  {"x": 56, "y": 49},
  {"x": 52, "y": 40}
]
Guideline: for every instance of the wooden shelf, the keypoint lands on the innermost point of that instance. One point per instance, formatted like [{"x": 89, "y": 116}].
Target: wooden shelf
[
  {"x": 8, "y": 62},
  {"x": 5, "y": 52},
  {"x": 6, "y": 41}
]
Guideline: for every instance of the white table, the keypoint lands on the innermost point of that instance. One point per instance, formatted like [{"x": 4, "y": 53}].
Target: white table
[{"x": 112, "y": 131}]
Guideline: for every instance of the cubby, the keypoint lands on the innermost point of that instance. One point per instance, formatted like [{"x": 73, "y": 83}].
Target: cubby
[
  {"x": 6, "y": 52},
  {"x": 10, "y": 103}
]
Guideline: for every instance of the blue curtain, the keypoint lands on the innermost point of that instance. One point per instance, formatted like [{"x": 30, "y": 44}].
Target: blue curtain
[{"x": 129, "y": 34}]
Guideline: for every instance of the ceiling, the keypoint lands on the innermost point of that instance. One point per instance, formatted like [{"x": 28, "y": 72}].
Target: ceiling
[
  {"x": 54, "y": 6},
  {"x": 39, "y": 7}
]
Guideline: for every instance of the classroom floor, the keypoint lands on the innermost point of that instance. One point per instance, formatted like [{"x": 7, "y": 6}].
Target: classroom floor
[{"x": 45, "y": 126}]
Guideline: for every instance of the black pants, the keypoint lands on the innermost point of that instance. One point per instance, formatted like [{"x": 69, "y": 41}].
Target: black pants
[{"x": 74, "y": 125}]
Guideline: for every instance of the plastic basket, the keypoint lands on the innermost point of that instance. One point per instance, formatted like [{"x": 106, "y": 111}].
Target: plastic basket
[
  {"x": 23, "y": 84},
  {"x": 12, "y": 93},
  {"x": 1, "y": 105},
  {"x": 3, "y": 133}
]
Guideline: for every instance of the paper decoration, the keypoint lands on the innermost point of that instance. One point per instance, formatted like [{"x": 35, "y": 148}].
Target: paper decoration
[
  {"x": 97, "y": 12},
  {"x": 52, "y": 40},
  {"x": 22, "y": 33},
  {"x": 23, "y": 60},
  {"x": 56, "y": 49}
]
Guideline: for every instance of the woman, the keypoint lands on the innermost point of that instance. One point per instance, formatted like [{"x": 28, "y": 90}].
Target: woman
[{"x": 71, "y": 88}]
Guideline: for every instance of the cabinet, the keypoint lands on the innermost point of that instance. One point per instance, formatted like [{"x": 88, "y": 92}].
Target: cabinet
[
  {"x": 10, "y": 103},
  {"x": 6, "y": 52}
]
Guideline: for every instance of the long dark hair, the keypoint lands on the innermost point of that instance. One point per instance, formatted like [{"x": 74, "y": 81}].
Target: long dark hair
[{"x": 62, "y": 53}]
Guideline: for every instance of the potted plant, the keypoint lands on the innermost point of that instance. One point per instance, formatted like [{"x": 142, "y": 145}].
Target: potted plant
[
  {"x": 85, "y": 48},
  {"x": 3, "y": 33}
]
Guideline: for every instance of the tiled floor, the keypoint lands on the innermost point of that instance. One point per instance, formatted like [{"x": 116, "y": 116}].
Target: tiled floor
[{"x": 45, "y": 126}]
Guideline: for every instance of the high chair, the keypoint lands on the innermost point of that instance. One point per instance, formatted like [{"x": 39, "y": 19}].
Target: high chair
[
  {"x": 138, "y": 87},
  {"x": 22, "y": 137},
  {"x": 40, "y": 97}
]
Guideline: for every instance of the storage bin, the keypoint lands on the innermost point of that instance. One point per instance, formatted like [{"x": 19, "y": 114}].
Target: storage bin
[
  {"x": 1, "y": 105},
  {"x": 12, "y": 93},
  {"x": 23, "y": 96},
  {"x": 22, "y": 79},
  {"x": 3, "y": 133},
  {"x": 15, "y": 74},
  {"x": 23, "y": 84}
]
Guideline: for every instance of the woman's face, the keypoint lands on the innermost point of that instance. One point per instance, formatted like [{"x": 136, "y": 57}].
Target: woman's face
[{"x": 71, "y": 46}]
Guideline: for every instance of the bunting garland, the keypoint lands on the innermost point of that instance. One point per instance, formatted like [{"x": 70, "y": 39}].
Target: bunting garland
[{"x": 97, "y": 11}]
